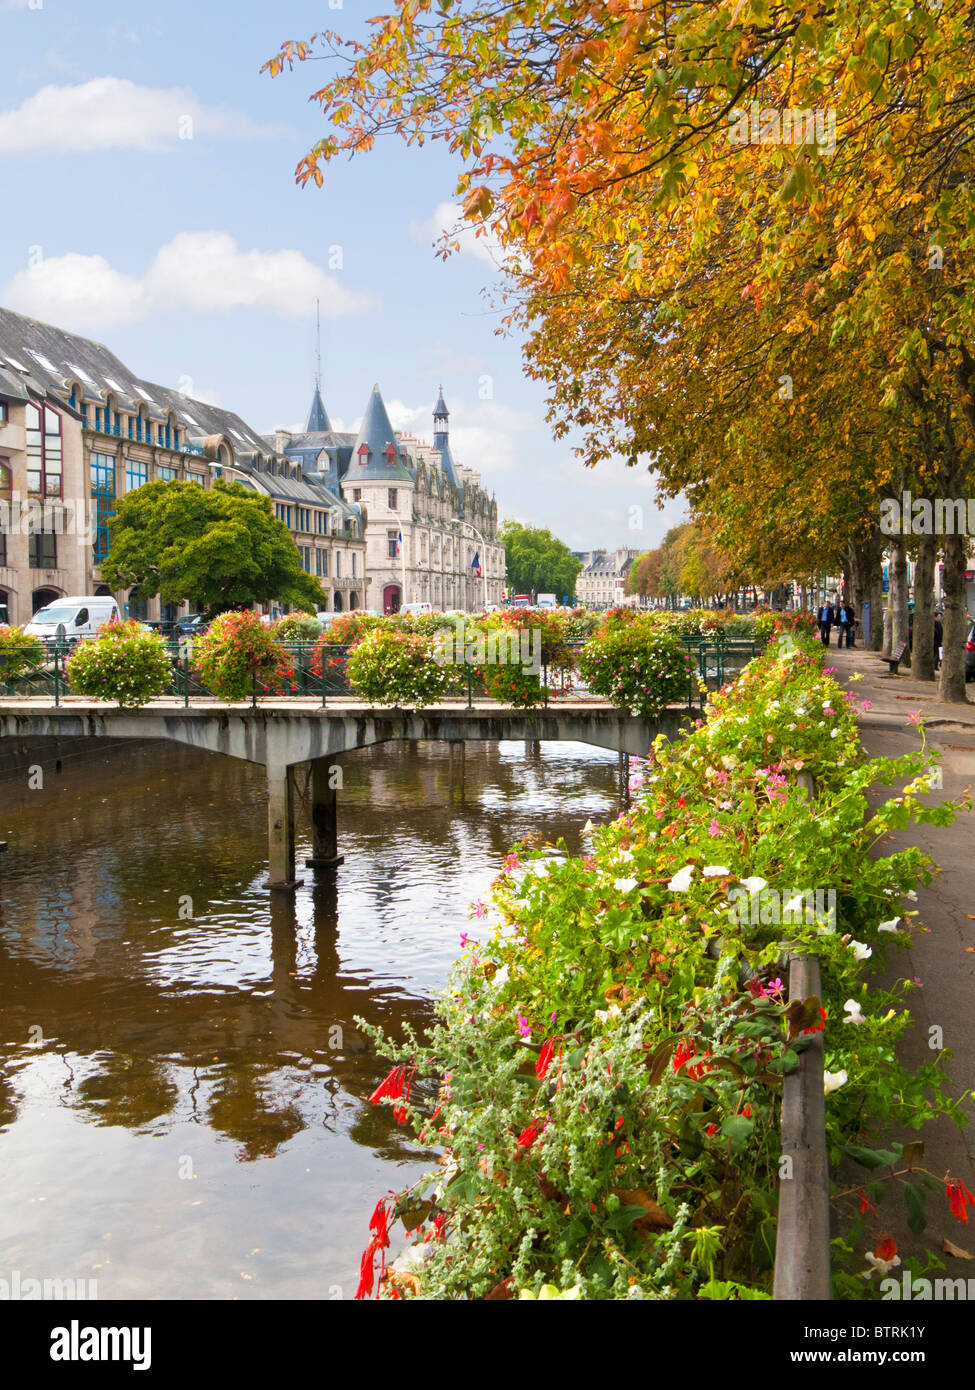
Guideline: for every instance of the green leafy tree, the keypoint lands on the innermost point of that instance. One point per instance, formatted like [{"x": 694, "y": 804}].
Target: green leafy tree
[
  {"x": 215, "y": 548},
  {"x": 538, "y": 562}
]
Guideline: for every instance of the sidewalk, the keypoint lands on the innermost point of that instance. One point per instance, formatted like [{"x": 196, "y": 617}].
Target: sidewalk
[{"x": 942, "y": 953}]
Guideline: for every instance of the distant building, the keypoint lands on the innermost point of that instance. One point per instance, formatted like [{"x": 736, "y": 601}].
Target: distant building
[
  {"x": 426, "y": 518},
  {"x": 78, "y": 430},
  {"x": 602, "y": 583}
]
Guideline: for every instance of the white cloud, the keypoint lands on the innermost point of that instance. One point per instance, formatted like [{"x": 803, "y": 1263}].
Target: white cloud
[
  {"x": 484, "y": 435},
  {"x": 447, "y": 217},
  {"x": 196, "y": 272},
  {"x": 115, "y": 113}
]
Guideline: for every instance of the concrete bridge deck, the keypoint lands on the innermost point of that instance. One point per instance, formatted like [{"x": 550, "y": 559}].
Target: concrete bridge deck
[{"x": 283, "y": 733}]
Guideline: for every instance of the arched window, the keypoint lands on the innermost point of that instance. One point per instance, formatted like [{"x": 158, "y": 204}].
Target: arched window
[{"x": 6, "y": 496}]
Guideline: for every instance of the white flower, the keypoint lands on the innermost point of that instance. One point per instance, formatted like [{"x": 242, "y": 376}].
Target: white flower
[
  {"x": 884, "y": 1266},
  {"x": 715, "y": 871},
  {"x": 500, "y": 977},
  {"x": 861, "y": 950},
  {"x": 852, "y": 1008},
  {"x": 754, "y": 884},
  {"x": 890, "y": 926},
  {"x": 625, "y": 885},
  {"x": 729, "y": 761},
  {"x": 800, "y": 709},
  {"x": 625, "y": 854},
  {"x": 681, "y": 880},
  {"x": 835, "y": 733},
  {"x": 604, "y": 1015},
  {"x": 833, "y": 1080},
  {"x": 794, "y": 904},
  {"x": 774, "y": 704},
  {"x": 911, "y": 894}
]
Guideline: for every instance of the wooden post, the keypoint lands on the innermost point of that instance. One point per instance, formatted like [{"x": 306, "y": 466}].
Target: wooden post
[
  {"x": 324, "y": 817},
  {"x": 280, "y": 828}
]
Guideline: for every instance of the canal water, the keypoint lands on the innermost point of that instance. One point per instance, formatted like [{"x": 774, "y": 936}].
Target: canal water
[{"x": 183, "y": 1088}]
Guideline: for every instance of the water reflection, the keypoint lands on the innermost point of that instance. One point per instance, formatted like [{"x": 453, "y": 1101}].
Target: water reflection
[{"x": 166, "y": 1024}]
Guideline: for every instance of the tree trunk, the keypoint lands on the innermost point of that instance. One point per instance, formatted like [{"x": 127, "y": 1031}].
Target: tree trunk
[
  {"x": 898, "y": 592},
  {"x": 952, "y": 684},
  {"x": 922, "y": 660}
]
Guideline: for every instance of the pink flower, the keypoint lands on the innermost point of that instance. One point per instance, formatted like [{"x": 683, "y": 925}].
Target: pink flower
[
  {"x": 914, "y": 716},
  {"x": 524, "y": 1028},
  {"x": 866, "y": 704},
  {"x": 479, "y": 909},
  {"x": 714, "y": 828},
  {"x": 773, "y": 990}
]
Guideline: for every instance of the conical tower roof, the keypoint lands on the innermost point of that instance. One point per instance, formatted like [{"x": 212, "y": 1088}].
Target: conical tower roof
[
  {"x": 376, "y": 454},
  {"x": 318, "y": 421}
]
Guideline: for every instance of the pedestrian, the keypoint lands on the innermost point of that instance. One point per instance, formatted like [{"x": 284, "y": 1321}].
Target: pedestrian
[
  {"x": 824, "y": 617},
  {"x": 939, "y": 638},
  {"x": 846, "y": 615}
]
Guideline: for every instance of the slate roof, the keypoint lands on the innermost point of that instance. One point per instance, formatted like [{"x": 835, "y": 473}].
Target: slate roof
[
  {"x": 376, "y": 433},
  {"x": 318, "y": 422}
]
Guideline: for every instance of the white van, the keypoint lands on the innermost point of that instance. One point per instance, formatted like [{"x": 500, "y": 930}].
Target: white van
[
  {"x": 71, "y": 619},
  {"x": 417, "y": 608}
]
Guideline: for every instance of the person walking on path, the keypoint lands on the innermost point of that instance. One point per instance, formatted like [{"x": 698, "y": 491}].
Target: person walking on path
[
  {"x": 846, "y": 615},
  {"x": 824, "y": 617}
]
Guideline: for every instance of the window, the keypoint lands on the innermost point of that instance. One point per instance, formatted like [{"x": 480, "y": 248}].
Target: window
[
  {"x": 305, "y": 553},
  {"x": 338, "y": 564},
  {"x": 166, "y": 475},
  {"x": 195, "y": 478},
  {"x": 283, "y": 513},
  {"x": 357, "y": 494},
  {"x": 103, "y": 501},
  {"x": 6, "y": 520},
  {"x": 392, "y": 498},
  {"x": 136, "y": 473},
  {"x": 353, "y": 564},
  {"x": 321, "y": 523},
  {"x": 391, "y": 544},
  {"x": 43, "y": 451},
  {"x": 304, "y": 519},
  {"x": 42, "y": 551},
  {"x": 3, "y": 411},
  {"x": 321, "y": 563}
]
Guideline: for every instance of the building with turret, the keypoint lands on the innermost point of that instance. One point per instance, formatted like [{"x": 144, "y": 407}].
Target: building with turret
[{"x": 431, "y": 529}]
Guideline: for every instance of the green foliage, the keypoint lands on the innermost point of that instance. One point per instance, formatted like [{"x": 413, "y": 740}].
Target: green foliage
[
  {"x": 19, "y": 652},
  {"x": 638, "y": 667},
  {"x": 610, "y": 1053},
  {"x": 124, "y": 662},
  {"x": 537, "y": 562},
  {"x": 398, "y": 668},
  {"x": 216, "y": 548},
  {"x": 297, "y": 627},
  {"x": 237, "y": 650}
]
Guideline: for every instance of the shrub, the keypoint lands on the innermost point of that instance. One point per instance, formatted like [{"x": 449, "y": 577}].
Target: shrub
[
  {"x": 551, "y": 626},
  {"x": 19, "y": 652},
  {"x": 792, "y": 620},
  {"x": 398, "y": 668},
  {"x": 349, "y": 627},
  {"x": 124, "y": 662},
  {"x": 297, "y": 627},
  {"x": 237, "y": 649},
  {"x": 638, "y": 667}
]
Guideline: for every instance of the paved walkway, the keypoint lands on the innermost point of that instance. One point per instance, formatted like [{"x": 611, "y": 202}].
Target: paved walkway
[{"x": 942, "y": 954}]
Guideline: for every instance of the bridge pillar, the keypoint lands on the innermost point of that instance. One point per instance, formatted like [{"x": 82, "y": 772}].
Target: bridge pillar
[
  {"x": 280, "y": 827},
  {"x": 324, "y": 817}
]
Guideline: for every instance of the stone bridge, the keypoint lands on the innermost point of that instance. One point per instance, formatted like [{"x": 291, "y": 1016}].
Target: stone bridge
[{"x": 284, "y": 734}]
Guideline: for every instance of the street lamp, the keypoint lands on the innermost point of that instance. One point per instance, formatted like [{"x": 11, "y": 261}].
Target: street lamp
[
  {"x": 458, "y": 521},
  {"x": 402, "y": 557}
]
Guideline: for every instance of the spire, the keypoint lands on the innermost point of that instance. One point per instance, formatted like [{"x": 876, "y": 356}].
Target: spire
[
  {"x": 376, "y": 452},
  {"x": 318, "y": 422},
  {"x": 441, "y": 439}
]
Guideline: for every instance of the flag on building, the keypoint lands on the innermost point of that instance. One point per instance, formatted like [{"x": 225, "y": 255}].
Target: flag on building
[
  {"x": 476, "y": 564},
  {"x": 399, "y": 543}
]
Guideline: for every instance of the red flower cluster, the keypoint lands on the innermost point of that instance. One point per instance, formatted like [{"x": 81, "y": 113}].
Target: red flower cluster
[
  {"x": 959, "y": 1198},
  {"x": 685, "y": 1051},
  {"x": 817, "y": 1027},
  {"x": 396, "y": 1087},
  {"x": 529, "y": 1134},
  {"x": 377, "y": 1245},
  {"x": 546, "y": 1056}
]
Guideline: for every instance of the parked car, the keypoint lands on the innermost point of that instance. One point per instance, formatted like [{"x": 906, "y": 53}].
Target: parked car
[
  {"x": 417, "y": 608},
  {"x": 73, "y": 618},
  {"x": 192, "y": 625},
  {"x": 970, "y": 654}
]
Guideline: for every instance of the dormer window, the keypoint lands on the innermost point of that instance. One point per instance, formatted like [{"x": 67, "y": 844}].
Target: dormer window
[
  {"x": 363, "y": 454},
  {"x": 391, "y": 454}
]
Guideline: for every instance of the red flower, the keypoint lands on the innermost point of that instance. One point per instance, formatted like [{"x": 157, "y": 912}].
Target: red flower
[
  {"x": 866, "y": 1204},
  {"x": 545, "y": 1058},
  {"x": 886, "y": 1247},
  {"x": 817, "y": 1027},
  {"x": 529, "y": 1134},
  {"x": 380, "y": 1241},
  {"x": 959, "y": 1198},
  {"x": 393, "y": 1089}
]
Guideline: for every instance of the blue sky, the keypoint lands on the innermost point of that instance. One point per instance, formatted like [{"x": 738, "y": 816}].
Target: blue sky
[{"x": 150, "y": 202}]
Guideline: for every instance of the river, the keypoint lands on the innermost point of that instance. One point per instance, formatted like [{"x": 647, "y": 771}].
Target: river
[{"x": 183, "y": 1088}]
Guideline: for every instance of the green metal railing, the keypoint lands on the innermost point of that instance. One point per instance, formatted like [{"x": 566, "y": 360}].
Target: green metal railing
[{"x": 319, "y": 671}]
